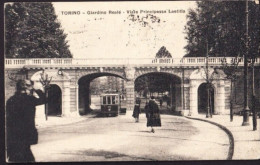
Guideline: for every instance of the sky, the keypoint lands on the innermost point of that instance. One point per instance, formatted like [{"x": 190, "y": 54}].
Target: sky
[{"x": 110, "y": 30}]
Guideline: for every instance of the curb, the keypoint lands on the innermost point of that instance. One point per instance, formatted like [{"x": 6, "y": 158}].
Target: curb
[
  {"x": 228, "y": 132},
  {"x": 44, "y": 126}
]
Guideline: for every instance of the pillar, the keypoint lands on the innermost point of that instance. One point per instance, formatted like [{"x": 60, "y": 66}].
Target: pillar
[
  {"x": 193, "y": 98},
  {"x": 186, "y": 99},
  {"x": 77, "y": 98},
  {"x": 220, "y": 98},
  {"x": 66, "y": 99},
  {"x": 178, "y": 97},
  {"x": 130, "y": 94}
]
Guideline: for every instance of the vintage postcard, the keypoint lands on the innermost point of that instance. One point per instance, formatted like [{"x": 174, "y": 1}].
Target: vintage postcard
[{"x": 132, "y": 81}]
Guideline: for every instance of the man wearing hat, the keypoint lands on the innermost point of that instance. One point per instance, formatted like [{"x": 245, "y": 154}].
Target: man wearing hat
[{"x": 20, "y": 121}]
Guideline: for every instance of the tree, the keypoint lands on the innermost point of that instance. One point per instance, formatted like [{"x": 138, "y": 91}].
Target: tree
[
  {"x": 33, "y": 31},
  {"x": 163, "y": 53},
  {"x": 231, "y": 72},
  {"x": 221, "y": 24}
]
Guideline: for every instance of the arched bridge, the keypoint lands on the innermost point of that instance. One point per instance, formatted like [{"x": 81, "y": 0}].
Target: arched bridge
[{"x": 71, "y": 74}]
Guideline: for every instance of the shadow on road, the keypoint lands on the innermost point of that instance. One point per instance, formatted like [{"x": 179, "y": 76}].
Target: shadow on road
[
  {"x": 106, "y": 154},
  {"x": 183, "y": 139},
  {"x": 109, "y": 156}
]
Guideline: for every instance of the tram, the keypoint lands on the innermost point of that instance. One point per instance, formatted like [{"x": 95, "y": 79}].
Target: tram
[{"x": 110, "y": 104}]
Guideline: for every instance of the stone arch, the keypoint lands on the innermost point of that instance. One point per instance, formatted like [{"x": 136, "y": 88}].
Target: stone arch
[
  {"x": 200, "y": 74},
  {"x": 51, "y": 73},
  {"x": 62, "y": 81},
  {"x": 54, "y": 100},
  {"x": 203, "y": 98},
  {"x": 197, "y": 78},
  {"x": 83, "y": 97},
  {"x": 142, "y": 71},
  {"x": 80, "y": 75},
  {"x": 174, "y": 92}
]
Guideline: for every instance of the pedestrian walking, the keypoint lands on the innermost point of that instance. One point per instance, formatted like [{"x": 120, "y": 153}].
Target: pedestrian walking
[
  {"x": 20, "y": 121},
  {"x": 136, "y": 111},
  {"x": 153, "y": 114}
]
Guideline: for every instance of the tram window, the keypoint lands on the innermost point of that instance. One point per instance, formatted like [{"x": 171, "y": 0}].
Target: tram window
[
  {"x": 104, "y": 99},
  {"x": 116, "y": 99},
  {"x": 113, "y": 100},
  {"x": 108, "y": 100}
]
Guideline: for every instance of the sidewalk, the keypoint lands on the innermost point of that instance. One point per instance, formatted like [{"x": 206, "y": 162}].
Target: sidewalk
[
  {"x": 246, "y": 141},
  {"x": 53, "y": 121}
]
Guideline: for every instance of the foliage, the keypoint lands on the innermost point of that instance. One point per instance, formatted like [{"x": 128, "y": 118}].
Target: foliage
[
  {"x": 163, "y": 53},
  {"x": 221, "y": 24},
  {"x": 33, "y": 31},
  {"x": 153, "y": 83}
]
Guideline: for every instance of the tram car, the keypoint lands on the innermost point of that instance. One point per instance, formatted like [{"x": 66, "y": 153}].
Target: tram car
[{"x": 110, "y": 104}]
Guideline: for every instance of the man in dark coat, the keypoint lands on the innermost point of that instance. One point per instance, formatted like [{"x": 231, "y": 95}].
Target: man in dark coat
[
  {"x": 20, "y": 122},
  {"x": 153, "y": 114}
]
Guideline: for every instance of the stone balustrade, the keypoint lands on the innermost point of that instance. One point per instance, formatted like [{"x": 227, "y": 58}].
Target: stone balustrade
[{"x": 102, "y": 62}]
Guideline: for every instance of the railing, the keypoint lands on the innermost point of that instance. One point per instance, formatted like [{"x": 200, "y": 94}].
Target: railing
[{"x": 187, "y": 61}]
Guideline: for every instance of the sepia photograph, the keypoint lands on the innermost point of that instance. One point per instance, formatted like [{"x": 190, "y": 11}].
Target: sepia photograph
[{"x": 131, "y": 81}]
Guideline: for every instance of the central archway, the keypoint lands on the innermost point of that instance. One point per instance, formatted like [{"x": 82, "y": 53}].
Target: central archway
[
  {"x": 165, "y": 87},
  {"x": 84, "y": 92}
]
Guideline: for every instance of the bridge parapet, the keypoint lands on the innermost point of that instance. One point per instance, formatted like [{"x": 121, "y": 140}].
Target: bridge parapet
[{"x": 101, "y": 62}]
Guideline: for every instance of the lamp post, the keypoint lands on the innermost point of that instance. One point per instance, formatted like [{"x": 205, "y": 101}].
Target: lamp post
[
  {"x": 253, "y": 58},
  {"x": 254, "y": 116},
  {"x": 246, "y": 108},
  {"x": 208, "y": 114}
]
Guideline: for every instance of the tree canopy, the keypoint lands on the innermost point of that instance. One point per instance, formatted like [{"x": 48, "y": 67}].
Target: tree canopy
[
  {"x": 154, "y": 82},
  {"x": 33, "y": 31},
  {"x": 163, "y": 53},
  {"x": 220, "y": 25}
]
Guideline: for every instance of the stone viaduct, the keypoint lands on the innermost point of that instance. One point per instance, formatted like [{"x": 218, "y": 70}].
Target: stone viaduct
[{"x": 73, "y": 77}]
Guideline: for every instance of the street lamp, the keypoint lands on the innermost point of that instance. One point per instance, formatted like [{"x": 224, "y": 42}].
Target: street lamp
[
  {"x": 209, "y": 79},
  {"x": 246, "y": 108},
  {"x": 208, "y": 115},
  {"x": 253, "y": 58}
]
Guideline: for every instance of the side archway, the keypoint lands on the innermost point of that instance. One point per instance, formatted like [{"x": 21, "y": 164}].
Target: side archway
[
  {"x": 206, "y": 99},
  {"x": 197, "y": 78},
  {"x": 54, "y": 100},
  {"x": 60, "y": 81}
]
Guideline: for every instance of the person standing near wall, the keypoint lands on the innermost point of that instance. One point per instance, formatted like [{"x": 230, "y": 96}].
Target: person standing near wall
[
  {"x": 153, "y": 114},
  {"x": 21, "y": 132},
  {"x": 136, "y": 111}
]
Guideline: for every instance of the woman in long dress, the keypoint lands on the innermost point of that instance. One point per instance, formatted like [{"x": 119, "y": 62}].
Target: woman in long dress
[
  {"x": 153, "y": 114},
  {"x": 136, "y": 111}
]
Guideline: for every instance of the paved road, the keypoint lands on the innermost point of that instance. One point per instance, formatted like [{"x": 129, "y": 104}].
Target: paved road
[{"x": 121, "y": 139}]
